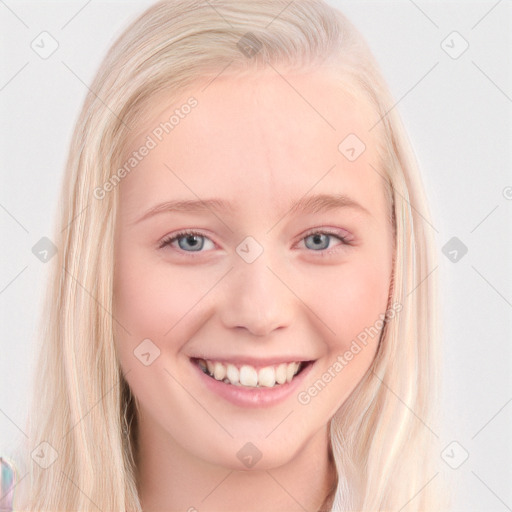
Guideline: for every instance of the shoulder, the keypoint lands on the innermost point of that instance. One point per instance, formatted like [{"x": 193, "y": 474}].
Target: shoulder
[{"x": 7, "y": 483}]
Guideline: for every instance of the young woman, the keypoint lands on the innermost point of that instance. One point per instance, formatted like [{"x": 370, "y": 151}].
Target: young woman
[{"x": 239, "y": 316}]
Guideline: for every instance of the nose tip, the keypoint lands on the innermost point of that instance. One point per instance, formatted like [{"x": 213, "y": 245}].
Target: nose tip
[
  {"x": 260, "y": 318},
  {"x": 256, "y": 301}
]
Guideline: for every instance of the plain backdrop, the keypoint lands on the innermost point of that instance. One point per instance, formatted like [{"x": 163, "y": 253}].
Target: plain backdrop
[{"x": 457, "y": 110}]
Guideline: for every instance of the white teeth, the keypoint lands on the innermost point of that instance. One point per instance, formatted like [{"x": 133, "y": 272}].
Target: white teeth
[
  {"x": 281, "y": 373},
  {"x": 248, "y": 376},
  {"x": 267, "y": 377},
  {"x": 290, "y": 371},
  {"x": 233, "y": 374},
  {"x": 219, "y": 371}
]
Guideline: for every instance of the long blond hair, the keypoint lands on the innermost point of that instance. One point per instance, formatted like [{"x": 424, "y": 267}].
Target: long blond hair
[{"x": 383, "y": 436}]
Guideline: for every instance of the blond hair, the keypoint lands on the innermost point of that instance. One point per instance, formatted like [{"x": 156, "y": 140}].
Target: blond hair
[{"x": 382, "y": 436}]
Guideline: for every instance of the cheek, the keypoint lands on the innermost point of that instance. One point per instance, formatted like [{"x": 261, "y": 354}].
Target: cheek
[
  {"x": 357, "y": 294},
  {"x": 147, "y": 300},
  {"x": 153, "y": 301}
]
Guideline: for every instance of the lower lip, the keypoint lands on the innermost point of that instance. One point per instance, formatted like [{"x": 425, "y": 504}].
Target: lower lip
[{"x": 254, "y": 397}]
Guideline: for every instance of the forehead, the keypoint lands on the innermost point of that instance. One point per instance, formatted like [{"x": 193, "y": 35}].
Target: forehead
[{"x": 262, "y": 136}]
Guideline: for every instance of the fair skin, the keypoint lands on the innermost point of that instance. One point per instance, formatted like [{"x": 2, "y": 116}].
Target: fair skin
[{"x": 258, "y": 145}]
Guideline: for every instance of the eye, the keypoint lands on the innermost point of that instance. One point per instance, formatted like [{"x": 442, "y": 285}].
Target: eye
[
  {"x": 188, "y": 241},
  {"x": 193, "y": 241},
  {"x": 320, "y": 241}
]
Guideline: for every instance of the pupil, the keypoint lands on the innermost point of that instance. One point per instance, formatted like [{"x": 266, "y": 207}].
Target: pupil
[
  {"x": 319, "y": 241},
  {"x": 190, "y": 242}
]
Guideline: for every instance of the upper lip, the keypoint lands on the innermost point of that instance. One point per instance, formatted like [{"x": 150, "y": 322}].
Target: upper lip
[{"x": 255, "y": 362}]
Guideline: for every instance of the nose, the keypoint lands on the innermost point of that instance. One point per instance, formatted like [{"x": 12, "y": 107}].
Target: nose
[{"x": 257, "y": 298}]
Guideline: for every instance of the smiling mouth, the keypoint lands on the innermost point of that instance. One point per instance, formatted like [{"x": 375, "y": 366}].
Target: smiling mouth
[{"x": 250, "y": 377}]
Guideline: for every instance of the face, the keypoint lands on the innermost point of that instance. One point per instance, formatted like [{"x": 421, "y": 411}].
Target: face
[{"x": 289, "y": 261}]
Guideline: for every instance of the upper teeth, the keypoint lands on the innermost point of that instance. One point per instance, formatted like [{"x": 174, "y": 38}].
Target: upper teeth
[{"x": 247, "y": 375}]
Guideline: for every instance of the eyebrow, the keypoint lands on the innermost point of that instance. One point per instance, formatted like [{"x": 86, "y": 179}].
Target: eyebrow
[{"x": 307, "y": 204}]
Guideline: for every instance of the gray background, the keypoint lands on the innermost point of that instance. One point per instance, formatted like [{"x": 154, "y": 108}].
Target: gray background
[{"x": 458, "y": 114}]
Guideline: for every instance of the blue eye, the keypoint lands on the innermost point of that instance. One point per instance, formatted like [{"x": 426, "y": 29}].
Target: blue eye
[
  {"x": 188, "y": 241},
  {"x": 192, "y": 241},
  {"x": 320, "y": 240}
]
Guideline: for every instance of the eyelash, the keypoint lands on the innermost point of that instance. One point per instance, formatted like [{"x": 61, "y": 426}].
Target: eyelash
[{"x": 167, "y": 241}]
